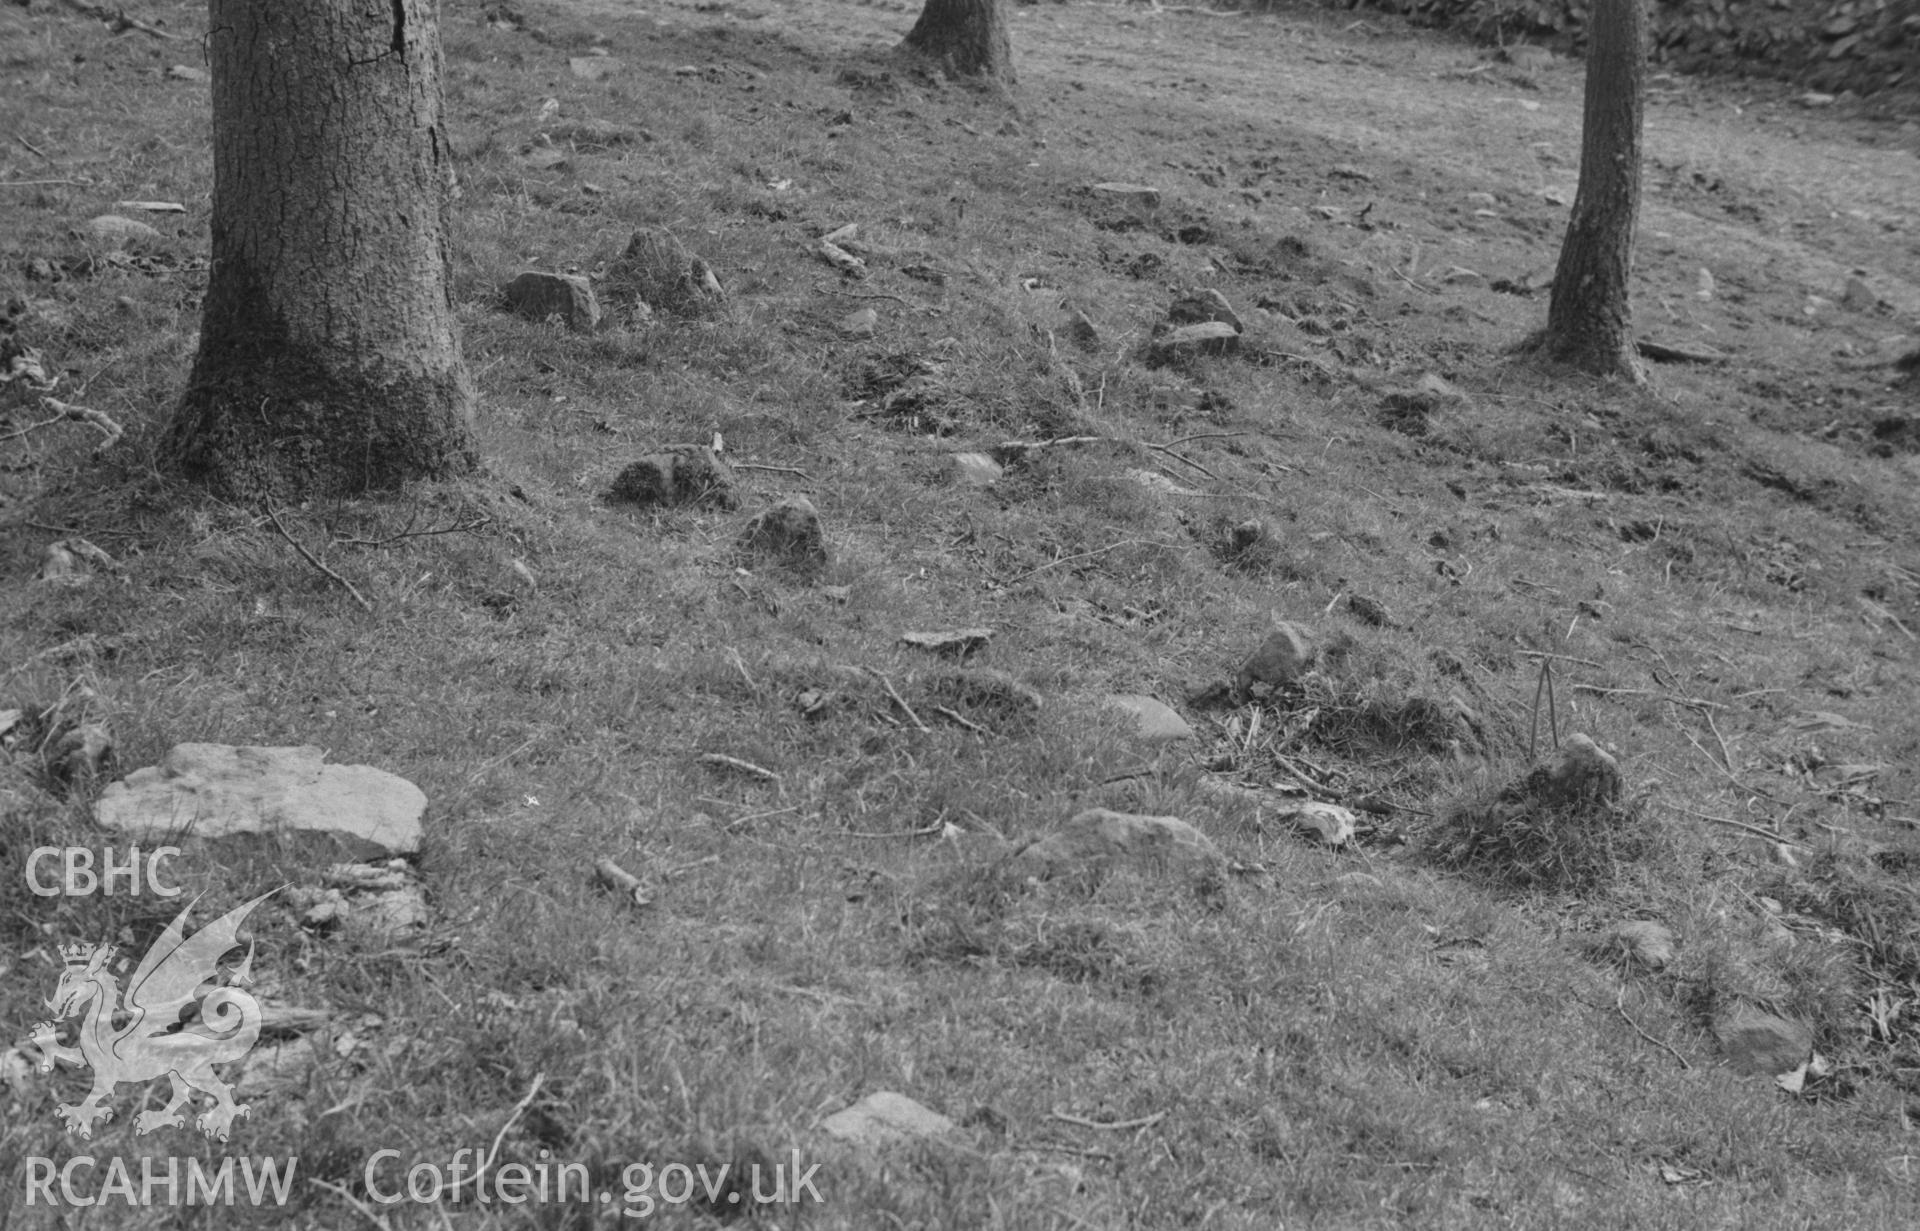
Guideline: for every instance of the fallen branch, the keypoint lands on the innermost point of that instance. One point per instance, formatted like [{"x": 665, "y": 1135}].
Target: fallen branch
[
  {"x": 775, "y": 469},
  {"x": 618, "y": 879},
  {"x": 723, "y": 761},
  {"x": 314, "y": 560},
  {"x": 962, "y": 719},
  {"x": 1620, "y": 1007},
  {"x": 1098, "y": 551},
  {"x": 120, "y": 21},
  {"x": 494, "y": 1149},
  {"x": 1662, "y": 352},
  {"x": 900, "y": 701},
  {"x": 928, "y": 832},
  {"x": 1181, "y": 457},
  {"x": 1107, "y": 1125}
]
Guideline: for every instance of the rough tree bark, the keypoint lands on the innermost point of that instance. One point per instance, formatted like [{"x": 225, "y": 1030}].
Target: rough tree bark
[
  {"x": 329, "y": 360},
  {"x": 1590, "y": 319},
  {"x": 969, "y": 37}
]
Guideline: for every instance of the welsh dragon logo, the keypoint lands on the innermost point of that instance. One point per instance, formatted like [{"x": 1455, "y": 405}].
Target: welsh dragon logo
[{"x": 151, "y": 1040}]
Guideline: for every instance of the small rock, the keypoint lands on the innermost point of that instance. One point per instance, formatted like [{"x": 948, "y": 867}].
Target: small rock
[
  {"x": 1761, "y": 1044},
  {"x": 1228, "y": 796},
  {"x": 1859, "y": 297},
  {"x": 790, "y": 531},
  {"x": 1154, "y": 721},
  {"x": 976, "y": 469},
  {"x": 883, "y": 1118},
  {"x": 1184, "y": 341},
  {"x": 1331, "y": 822},
  {"x": 1813, "y": 98},
  {"x": 537, "y": 296},
  {"x": 213, "y": 790},
  {"x": 1439, "y": 387},
  {"x": 117, "y": 232},
  {"x": 81, "y": 752},
  {"x": 1099, "y": 836},
  {"x": 1649, "y": 943},
  {"x": 1085, "y": 334},
  {"x": 1246, "y": 536},
  {"x": 1579, "y": 773},
  {"x": 393, "y": 911},
  {"x": 594, "y": 68},
  {"x": 1369, "y": 611},
  {"x": 840, "y": 258},
  {"x": 860, "y": 323},
  {"x": 950, "y": 643},
  {"x": 1137, "y": 196},
  {"x": 1200, "y": 306},
  {"x": 1282, "y": 659},
  {"x": 657, "y": 270},
  {"x": 187, "y": 72},
  {"x": 1154, "y": 481},
  {"x": 1703, "y": 284},
  {"x": 678, "y": 475}
]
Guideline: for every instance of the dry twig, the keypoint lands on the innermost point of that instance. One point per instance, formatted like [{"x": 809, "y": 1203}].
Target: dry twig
[
  {"x": 1620, "y": 1007},
  {"x": 724, "y": 761},
  {"x": 899, "y": 701},
  {"x": 1111, "y": 1125},
  {"x": 314, "y": 560}
]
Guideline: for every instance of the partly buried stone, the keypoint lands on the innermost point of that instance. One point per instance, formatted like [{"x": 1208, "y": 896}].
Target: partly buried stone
[
  {"x": 1153, "y": 721},
  {"x": 1646, "y": 941},
  {"x": 677, "y": 475},
  {"x": 658, "y": 270},
  {"x": 860, "y": 323},
  {"x": 537, "y": 295},
  {"x": 1098, "y": 837},
  {"x": 1080, "y": 327},
  {"x": 1331, "y": 823},
  {"x": 117, "y": 232},
  {"x": 1761, "y": 1044},
  {"x": 1578, "y": 775},
  {"x": 1186, "y": 341},
  {"x": 884, "y": 1118},
  {"x": 1203, "y": 305},
  {"x": 976, "y": 470},
  {"x": 1280, "y": 660},
  {"x": 789, "y": 532},
  {"x": 216, "y": 790},
  {"x": 1138, "y": 197}
]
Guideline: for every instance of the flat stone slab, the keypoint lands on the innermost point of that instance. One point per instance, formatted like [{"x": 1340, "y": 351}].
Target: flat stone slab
[
  {"x": 883, "y": 1118},
  {"x": 217, "y": 790},
  {"x": 1100, "y": 836},
  {"x": 1154, "y": 721}
]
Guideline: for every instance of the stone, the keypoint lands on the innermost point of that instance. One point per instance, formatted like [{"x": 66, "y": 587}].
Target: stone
[
  {"x": 1330, "y": 822},
  {"x": 789, "y": 531},
  {"x": 187, "y": 72},
  {"x": 1577, "y": 774},
  {"x": 1647, "y": 942},
  {"x": 117, "y": 232},
  {"x": 677, "y": 475},
  {"x": 1369, "y": 611},
  {"x": 1100, "y": 836},
  {"x": 537, "y": 295},
  {"x": 1201, "y": 306},
  {"x": 976, "y": 470},
  {"x": 1154, "y": 721},
  {"x": 1186, "y": 341},
  {"x": 276, "y": 1068},
  {"x": 860, "y": 323},
  {"x": 81, "y": 752},
  {"x": 1761, "y": 1044},
  {"x": 216, "y": 790},
  {"x": 1080, "y": 328},
  {"x": 885, "y": 1118},
  {"x": 1154, "y": 481},
  {"x": 1136, "y": 196},
  {"x": 657, "y": 269},
  {"x": 1859, "y": 297},
  {"x": 594, "y": 68},
  {"x": 392, "y": 911},
  {"x": 1246, "y": 536},
  {"x": 1281, "y": 660},
  {"x": 951, "y": 643}
]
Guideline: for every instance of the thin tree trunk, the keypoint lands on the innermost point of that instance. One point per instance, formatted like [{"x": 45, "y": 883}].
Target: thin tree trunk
[
  {"x": 969, "y": 37},
  {"x": 329, "y": 358},
  {"x": 1590, "y": 318}
]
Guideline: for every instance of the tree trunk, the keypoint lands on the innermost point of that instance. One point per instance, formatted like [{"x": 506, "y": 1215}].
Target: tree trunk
[
  {"x": 329, "y": 359},
  {"x": 969, "y": 37},
  {"x": 1590, "y": 318}
]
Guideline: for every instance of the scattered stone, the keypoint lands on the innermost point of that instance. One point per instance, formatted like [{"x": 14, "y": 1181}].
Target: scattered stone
[
  {"x": 677, "y": 475},
  {"x": 1154, "y": 721},
  {"x": 951, "y": 643},
  {"x": 884, "y": 1118},
  {"x": 657, "y": 270},
  {"x": 976, "y": 469},
  {"x": 1649, "y": 943},
  {"x": 594, "y": 68},
  {"x": 1099, "y": 836},
  {"x": 1331, "y": 822},
  {"x": 987, "y": 695},
  {"x": 1154, "y": 481},
  {"x": 789, "y": 532},
  {"x": 1761, "y": 1044},
  {"x": 1859, "y": 297},
  {"x": 1200, "y": 306},
  {"x": 537, "y": 296},
  {"x": 840, "y": 258},
  {"x": 187, "y": 72},
  {"x": 117, "y": 232},
  {"x": 1136, "y": 196},
  {"x": 1281, "y": 660},
  {"x": 1080, "y": 328},
  {"x": 214, "y": 790},
  {"x": 1186, "y": 341},
  {"x": 860, "y": 323}
]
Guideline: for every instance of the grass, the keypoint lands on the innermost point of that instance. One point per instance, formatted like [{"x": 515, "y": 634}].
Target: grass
[{"x": 1333, "y": 1038}]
